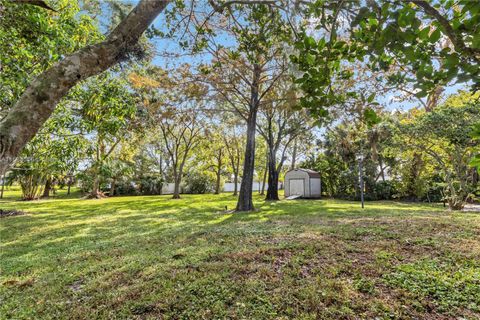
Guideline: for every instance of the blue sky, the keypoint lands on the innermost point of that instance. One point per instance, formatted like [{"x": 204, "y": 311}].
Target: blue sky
[{"x": 171, "y": 46}]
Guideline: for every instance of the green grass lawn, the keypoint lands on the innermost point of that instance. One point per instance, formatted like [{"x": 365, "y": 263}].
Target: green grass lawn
[{"x": 150, "y": 257}]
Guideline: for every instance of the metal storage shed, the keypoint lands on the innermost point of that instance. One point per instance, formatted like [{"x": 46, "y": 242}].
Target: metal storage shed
[{"x": 304, "y": 183}]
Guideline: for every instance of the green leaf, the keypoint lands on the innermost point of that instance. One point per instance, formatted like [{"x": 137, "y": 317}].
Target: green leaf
[
  {"x": 423, "y": 34},
  {"x": 435, "y": 36},
  {"x": 371, "y": 117},
  {"x": 372, "y": 22},
  {"x": 371, "y": 97},
  {"x": 310, "y": 58}
]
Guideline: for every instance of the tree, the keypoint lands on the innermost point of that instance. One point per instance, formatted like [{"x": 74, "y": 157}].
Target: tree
[
  {"x": 33, "y": 38},
  {"x": 280, "y": 123},
  {"x": 444, "y": 135},
  {"x": 53, "y": 153},
  {"x": 38, "y": 101},
  {"x": 234, "y": 145},
  {"x": 108, "y": 110},
  {"x": 181, "y": 132},
  {"x": 218, "y": 153},
  {"x": 244, "y": 73}
]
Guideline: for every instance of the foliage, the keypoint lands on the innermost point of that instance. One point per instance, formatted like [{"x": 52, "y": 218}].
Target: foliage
[
  {"x": 200, "y": 182},
  {"x": 32, "y": 39},
  {"x": 108, "y": 110},
  {"x": 429, "y": 44},
  {"x": 150, "y": 185},
  {"x": 338, "y": 162},
  {"x": 440, "y": 41},
  {"x": 476, "y": 136},
  {"x": 52, "y": 154},
  {"x": 444, "y": 136}
]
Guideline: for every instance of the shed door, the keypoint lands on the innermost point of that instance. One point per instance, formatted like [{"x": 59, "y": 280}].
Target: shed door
[{"x": 297, "y": 187}]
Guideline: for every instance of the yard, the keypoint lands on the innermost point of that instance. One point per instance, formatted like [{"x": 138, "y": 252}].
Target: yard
[{"x": 150, "y": 257}]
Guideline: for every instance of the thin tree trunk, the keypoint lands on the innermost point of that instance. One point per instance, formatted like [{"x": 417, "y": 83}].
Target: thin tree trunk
[
  {"x": 264, "y": 180},
  {"x": 433, "y": 98},
  {"x": 3, "y": 186},
  {"x": 160, "y": 170},
  {"x": 235, "y": 182},
  {"x": 245, "y": 200},
  {"x": 382, "y": 169},
  {"x": 217, "y": 184},
  {"x": 219, "y": 172},
  {"x": 294, "y": 155},
  {"x": 39, "y": 100}
]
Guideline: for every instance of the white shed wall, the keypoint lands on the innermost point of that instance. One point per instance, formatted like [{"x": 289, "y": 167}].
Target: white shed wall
[{"x": 315, "y": 187}]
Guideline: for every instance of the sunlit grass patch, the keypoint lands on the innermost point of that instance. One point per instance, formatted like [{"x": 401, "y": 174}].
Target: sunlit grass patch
[{"x": 152, "y": 257}]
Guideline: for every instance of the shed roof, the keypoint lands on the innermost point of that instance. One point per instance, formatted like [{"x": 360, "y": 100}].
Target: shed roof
[{"x": 311, "y": 173}]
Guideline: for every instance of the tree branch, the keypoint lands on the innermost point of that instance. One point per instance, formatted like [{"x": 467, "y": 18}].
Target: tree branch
[
  {"x": 38, "y": 3},
  {"x": 40, "y": 98},
  {"x": 456, "y": 39}
]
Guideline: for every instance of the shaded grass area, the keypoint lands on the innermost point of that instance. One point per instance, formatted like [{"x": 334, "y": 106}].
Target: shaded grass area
[{"x": 151, "y": 257}]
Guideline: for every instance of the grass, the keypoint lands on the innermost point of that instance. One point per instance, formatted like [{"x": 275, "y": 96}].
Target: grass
[{"x": 150, "y": 257}]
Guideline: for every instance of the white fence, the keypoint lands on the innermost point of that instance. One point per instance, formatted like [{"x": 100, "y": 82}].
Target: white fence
[
  {"x": 167, "y": 188},
  {"x": 227, "y": 187}
]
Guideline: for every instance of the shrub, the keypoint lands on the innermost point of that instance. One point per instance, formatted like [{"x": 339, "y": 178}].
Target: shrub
[
  {"x": 199, "y": 183},
  {"x": 150, "y": 185}
]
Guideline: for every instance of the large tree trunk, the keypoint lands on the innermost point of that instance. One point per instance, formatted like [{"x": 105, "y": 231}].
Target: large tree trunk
[
  {"x": 245, "y": 201},
  {"x": 177, "y": 180},
  {"x": 112, "y": 187},
  {"x": 38, "y": 101},
  {"x": 272, "y": 191},
  {"x": 176, "y": 188},
  {"x": 95, "y": 193},
  {"x": 48, "y": 187}
]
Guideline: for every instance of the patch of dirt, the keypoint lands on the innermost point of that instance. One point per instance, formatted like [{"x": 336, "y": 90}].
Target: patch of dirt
[
  {"x": 99, "y": 195},
  {"x": 11, "y": 213},
  {"x": 77, "y": 285}
]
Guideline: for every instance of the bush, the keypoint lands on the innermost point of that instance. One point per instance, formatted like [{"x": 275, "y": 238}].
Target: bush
[
  {"x": 125, "y": 188},
  {"x": 383, "y": 190},
  {"x": 150, "y": 185},
  {"x": 199, "y": 183}
]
